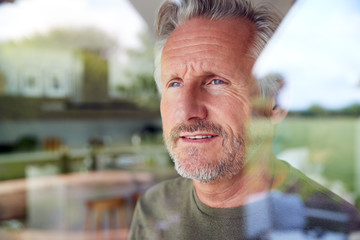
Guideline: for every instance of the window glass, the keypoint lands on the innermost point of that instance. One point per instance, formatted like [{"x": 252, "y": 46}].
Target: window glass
[
  {"x": 79, "y": 117},
  {"x": 316, "y": 52},
  {"x": 80, "y": 127}
]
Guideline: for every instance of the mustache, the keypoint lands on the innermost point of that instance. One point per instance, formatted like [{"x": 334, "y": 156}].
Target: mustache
[{"x": 197, "y": 125}]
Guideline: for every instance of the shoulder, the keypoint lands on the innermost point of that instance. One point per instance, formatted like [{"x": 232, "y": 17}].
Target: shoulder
[
  {"x": 317, "y": 197},
  {"x": 298, "y": 183}
]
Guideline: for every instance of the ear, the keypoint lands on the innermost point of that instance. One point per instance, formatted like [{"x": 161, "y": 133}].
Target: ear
[{"x": 277, "y": 114}]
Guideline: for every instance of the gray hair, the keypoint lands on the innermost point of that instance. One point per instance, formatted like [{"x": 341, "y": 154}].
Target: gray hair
[{"x": 174, "y": 12}]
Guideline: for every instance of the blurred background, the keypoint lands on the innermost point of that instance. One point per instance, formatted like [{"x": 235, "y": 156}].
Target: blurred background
[{"x": 80, "y": 128}]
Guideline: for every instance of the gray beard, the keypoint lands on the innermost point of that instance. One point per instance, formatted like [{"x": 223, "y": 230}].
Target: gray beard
[
  {"x": 238, "y": 150},
  {"x": 232, "y": 161}
]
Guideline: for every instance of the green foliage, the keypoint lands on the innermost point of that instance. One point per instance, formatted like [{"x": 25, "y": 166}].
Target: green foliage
[
  {"x": 146, "y": 82},
  {"x": 352, "y": 110},
  {"x": 26, "y": 144},
  {"x": 142, "y": 91},
  {"x": 319, "y": 111},
  {"x": 95, "y": 76},
  {"x": 2, "y": 82},
  {"x": 139, "y": 72}
]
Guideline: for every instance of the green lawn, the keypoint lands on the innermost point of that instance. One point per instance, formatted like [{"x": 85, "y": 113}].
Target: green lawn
[{"x": 329, "y": 140}]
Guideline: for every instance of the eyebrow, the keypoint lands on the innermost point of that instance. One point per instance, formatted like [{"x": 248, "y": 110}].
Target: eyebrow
[{"x": 206, "y": 74}]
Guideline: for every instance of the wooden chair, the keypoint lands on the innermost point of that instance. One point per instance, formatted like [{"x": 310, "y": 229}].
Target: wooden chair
[{"x": 113, "y": 207}]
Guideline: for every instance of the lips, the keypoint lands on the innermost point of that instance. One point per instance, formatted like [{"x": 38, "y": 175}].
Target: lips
[
  {"x": 199, "y": 131},
  {"x": 198, "y": 137}
]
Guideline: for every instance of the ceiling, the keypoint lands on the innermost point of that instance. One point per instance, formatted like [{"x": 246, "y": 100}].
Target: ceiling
[
  {"x": 3, "y": 1},
  {"x": 148, "y": 9}
]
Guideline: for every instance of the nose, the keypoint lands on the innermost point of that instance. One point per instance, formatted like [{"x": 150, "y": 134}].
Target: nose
[{"x": 192, "y": 105}]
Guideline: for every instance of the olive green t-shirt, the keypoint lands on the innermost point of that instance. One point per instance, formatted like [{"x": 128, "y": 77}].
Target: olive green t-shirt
[{"x": 172, "y": 210}]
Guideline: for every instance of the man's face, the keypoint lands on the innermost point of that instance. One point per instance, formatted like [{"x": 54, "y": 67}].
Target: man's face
[{"x": 205, "y": 104}]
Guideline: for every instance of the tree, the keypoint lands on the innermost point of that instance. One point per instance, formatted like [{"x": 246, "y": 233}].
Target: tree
[
  {"x": 316, "y": 110},
  {"x": 352, "y": 110}
]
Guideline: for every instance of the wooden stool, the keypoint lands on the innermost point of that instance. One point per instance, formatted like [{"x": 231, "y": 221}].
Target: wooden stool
[{"x": 114, "y": 207}]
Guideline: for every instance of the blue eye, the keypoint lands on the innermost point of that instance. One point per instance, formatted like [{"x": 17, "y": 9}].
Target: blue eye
[
  {"x": 175, "y": 84},
  {"x": 217, "y": 82}
]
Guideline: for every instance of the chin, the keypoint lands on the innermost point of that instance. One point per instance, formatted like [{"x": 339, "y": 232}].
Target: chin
[{"x": 205, "y": 172}]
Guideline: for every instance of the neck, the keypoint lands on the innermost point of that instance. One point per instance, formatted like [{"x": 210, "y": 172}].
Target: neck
[{"x": 254, "y": 181}]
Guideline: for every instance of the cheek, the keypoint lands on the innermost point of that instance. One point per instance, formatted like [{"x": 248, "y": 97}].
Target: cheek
[
  {"x": 232, "y": 109},
  {"x": 235, "y": 118},
  {"x": 167, "y": 116},
  {"x": 163, "y": 111}
]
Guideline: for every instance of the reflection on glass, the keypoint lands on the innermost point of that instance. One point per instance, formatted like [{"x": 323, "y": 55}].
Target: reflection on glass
[
  {"x": 307, "y": 62},
  {"x": 76, "y": 87},
  {"x": 77, "y": 99},
  {"x": 319, "y": 135}
]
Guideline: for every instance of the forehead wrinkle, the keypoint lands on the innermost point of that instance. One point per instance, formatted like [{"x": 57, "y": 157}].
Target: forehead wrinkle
[
  {"x": 198, "y": 67},
  {"x": 188, "y": 44},
  {"x": 191, "y": 27},
  {"x": 193, "y": 70},
  {"x": 207, "y": 34},
  {"x": 202, "y": 65},
  {"x": 183, "y": 54}
]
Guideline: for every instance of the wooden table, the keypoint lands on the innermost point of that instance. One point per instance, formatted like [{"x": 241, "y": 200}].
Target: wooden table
[{"x": 57, "y": 204}]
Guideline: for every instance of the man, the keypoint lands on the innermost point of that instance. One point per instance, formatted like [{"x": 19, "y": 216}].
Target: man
[{"x": 217, "y": 123}]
